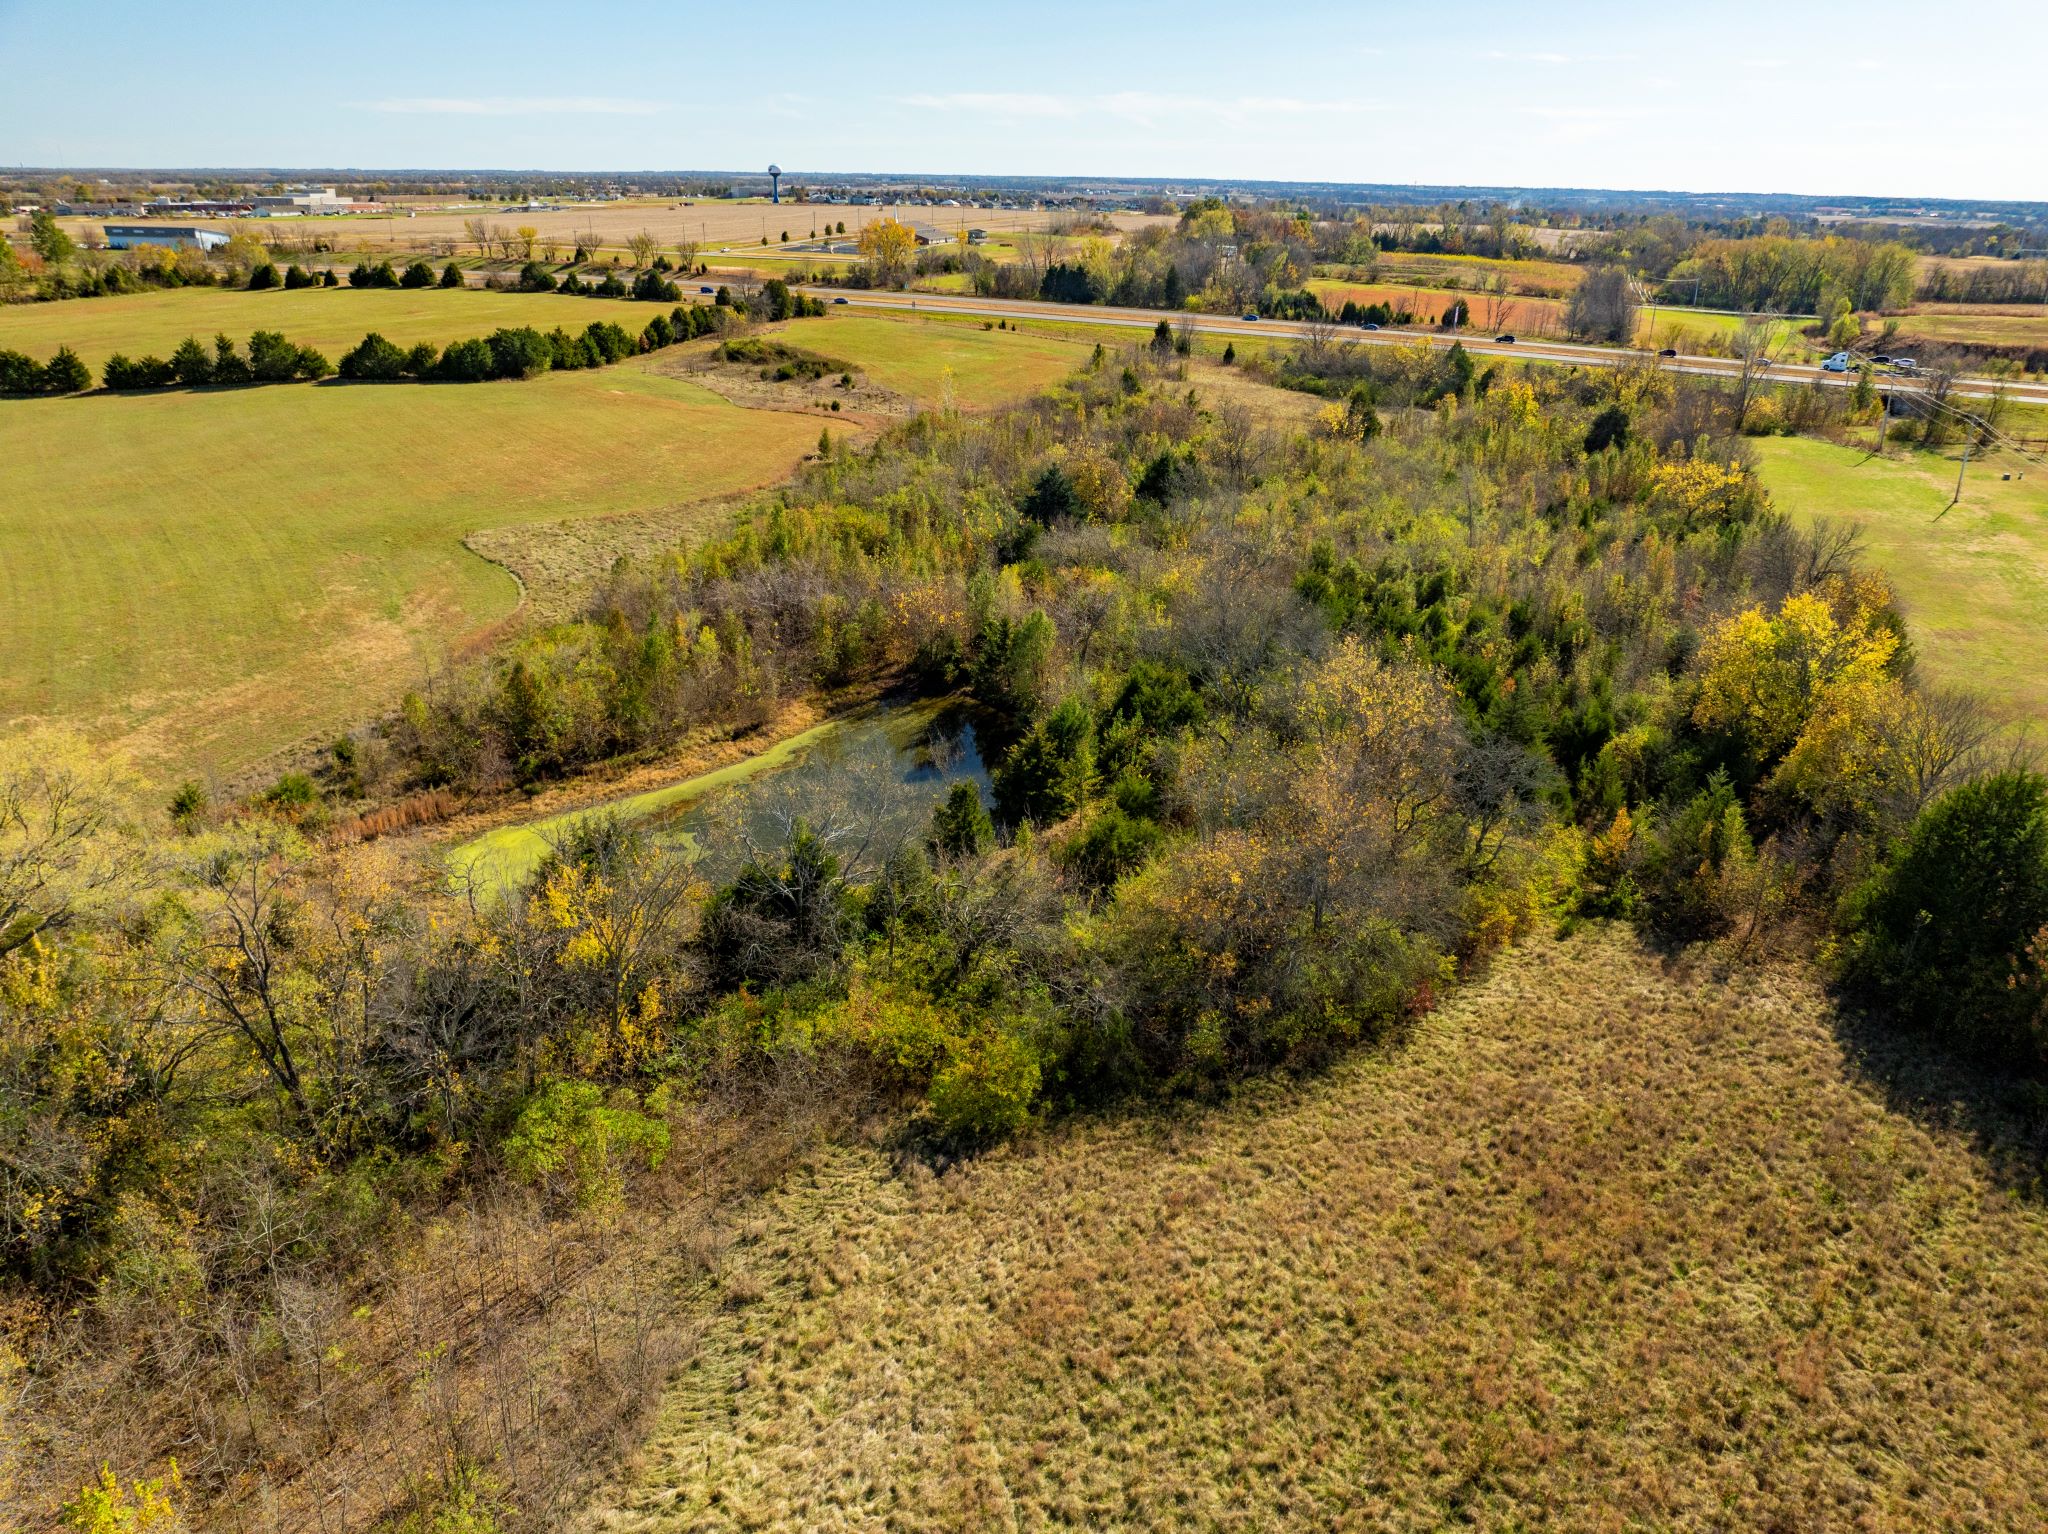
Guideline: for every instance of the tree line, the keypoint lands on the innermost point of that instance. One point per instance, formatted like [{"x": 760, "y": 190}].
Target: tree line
[{"x": 522, "y": 351}]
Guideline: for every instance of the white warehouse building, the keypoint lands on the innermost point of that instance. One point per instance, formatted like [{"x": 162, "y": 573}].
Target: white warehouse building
[{"x": 177, "y": 236}]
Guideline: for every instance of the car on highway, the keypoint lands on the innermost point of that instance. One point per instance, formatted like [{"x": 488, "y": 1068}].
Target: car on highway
[
  {"x": 1504, "y": 340},
  {"x": 1839, "y": 363},
  {"x": 1669, "y": 351}
]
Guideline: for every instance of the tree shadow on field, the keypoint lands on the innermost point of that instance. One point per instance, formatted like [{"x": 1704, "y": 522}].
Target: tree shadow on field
[{"x": 2004, "y": 1113}]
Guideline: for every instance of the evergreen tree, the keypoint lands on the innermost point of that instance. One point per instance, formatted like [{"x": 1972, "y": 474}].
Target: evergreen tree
[
  {"x": 65, "y": 374},
  {"x": 191, "y": 363},
  {"x": 961, "y": 826}
]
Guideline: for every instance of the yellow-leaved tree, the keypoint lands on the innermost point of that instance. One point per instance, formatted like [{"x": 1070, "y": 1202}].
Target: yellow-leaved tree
[
  {"x": 1764, "y": 677},
  {"x": 887, "y": 247},
  {"x": 1814, "y": 694}
]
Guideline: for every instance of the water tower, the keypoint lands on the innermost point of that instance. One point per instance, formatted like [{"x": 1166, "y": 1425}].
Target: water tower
[{"x": 775, "y": 183}]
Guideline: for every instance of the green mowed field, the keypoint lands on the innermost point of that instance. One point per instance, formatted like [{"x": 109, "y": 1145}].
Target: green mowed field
[
  {"x": 329, "y": 319},
  {"x": 922, "y": 357},
  {"x": 1973, "y": 578},
  {"x": 206, "y": 577}
]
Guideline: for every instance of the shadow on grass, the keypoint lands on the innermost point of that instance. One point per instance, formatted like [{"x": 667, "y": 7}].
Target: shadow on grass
[{"x": 2004, "y": 1114}]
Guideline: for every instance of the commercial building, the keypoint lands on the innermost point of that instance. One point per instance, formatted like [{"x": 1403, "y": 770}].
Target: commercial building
[{"x": 174, "y": 236}]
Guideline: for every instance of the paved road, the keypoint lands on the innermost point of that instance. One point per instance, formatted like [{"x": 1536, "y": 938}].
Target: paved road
[{"x": 1566, "y": 352}]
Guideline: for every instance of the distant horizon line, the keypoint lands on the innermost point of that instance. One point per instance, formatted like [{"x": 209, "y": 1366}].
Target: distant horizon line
[{"x": 1024, "y": 178}]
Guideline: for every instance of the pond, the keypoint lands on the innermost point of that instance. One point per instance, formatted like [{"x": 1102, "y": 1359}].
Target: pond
[{"x": 874, "y": 774}]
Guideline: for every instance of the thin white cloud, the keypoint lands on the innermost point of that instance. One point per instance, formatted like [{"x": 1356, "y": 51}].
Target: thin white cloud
[
  {"x": 1585, "y": 114},
  {"x": 1508, "y": 56},
  {"x": 1145, "y": 108},
  {"x": 516, "y": 106},
  {"x": 998, "y": 103}
]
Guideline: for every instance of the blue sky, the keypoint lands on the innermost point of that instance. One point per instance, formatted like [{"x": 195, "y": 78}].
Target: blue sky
[{"x": 1796, "y": 95}]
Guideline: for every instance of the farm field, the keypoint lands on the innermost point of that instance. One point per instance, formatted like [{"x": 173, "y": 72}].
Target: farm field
[
  {"x": 1708, "y": 330},
  {"x": 1536, "y": 278},
  {"x": 209, "y": 577},
  {"x": 1503, "y": 1274},
  {"x": 1995, "y": 327},
  {"x": 924, "y": 358},
  {"x": 1973, "y": 579},
  {"x": 607, "y": 226},
  {"x": 1533, "y": 315},
  {"x": 329, "y": 319}
]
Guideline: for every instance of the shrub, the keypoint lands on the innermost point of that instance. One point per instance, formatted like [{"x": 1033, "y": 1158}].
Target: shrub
[
  {"x": 19, "y": 374},
  {"x": 961, "y": 826},
  {"x": 567, "y": 1134},
  {"x": 272, "y": 359},
  {"x": 466, "y": 362},
  {"x": 1111, "y": 845},
  {"x": 108, "y": 1507},
  {"x": 191, "y": 363},
  {"x": 65, "y": 373},
  {"x": 520, "y": 352},
  {"x": 373, "y": 360},
  {"x": 1683, "y": 864},
  {"x": 148, "y": 373},
  {"x": 1941, "y": 930},
  {"x": 1052, "y": 497},
  {"x": 986, "y": 1089},
  {"x": 1048, "y": 774},
  {"x": 229, "y": 365},
  {"x": 611, "y": 342}
]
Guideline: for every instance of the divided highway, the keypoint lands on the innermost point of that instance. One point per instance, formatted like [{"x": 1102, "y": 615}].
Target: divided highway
[{"x": 1566, "y": 352}]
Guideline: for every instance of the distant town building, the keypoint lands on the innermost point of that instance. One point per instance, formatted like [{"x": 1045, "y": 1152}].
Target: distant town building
[
  {"x": 174, "y": 236},
  {"x": 303, "y": 199}
]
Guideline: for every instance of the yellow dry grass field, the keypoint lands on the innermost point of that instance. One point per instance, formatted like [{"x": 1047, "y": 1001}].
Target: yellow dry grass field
[
  {"x": 1532, "y": 316},
  {"x": 609, "y": 225},
  {"x": 1612, "y": 1242}
]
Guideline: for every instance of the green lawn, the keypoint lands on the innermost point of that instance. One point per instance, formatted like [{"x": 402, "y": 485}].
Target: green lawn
[
  {"x": 209, "y": 576},
  {"x": 921, "y": 357},
  {"x": 1973, "y": 579},
  {"x": 329, "y": 319}
]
